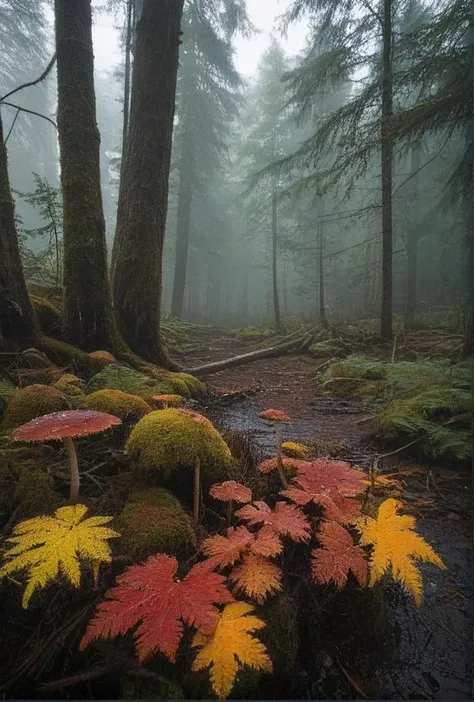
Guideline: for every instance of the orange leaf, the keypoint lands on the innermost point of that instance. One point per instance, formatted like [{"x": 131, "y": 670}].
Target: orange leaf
[
  {"x": 266, "y": 543},
  {"x": 283, "y": 520},
  {"x": 224, "y": 551},
  {"x": 231, "y": 490},
  {"x": 337, "y": 557},
  {"x": 256, "y": 577}
]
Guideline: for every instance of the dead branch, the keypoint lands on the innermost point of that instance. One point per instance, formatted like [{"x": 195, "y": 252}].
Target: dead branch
[
  {"x": 32, "y": 82},
  {"x": 296, "y": 345}
]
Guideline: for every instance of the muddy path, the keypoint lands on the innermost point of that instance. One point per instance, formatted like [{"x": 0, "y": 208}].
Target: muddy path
[{"x": 434, "y": 657}]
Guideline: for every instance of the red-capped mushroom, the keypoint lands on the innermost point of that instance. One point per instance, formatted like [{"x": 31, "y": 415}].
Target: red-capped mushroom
[
  {"x": 231, "y": 491},
  {"x": 66, "y": 426},
  {"x": 277, "y": 417}
]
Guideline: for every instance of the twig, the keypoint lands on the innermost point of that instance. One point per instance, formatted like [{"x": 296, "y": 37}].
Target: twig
[
  {"x": 32, "y": 82},
  {"x": 349, "y": 679},
  {"x": 30, "y": 112},
  {"x": 11, "y": 127}
]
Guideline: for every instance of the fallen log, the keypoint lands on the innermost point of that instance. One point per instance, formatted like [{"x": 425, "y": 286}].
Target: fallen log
[{"x": 293, "y": 346}]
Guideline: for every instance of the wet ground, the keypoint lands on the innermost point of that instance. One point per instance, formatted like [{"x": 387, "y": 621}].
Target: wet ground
[{"x": 434, "y": 659}]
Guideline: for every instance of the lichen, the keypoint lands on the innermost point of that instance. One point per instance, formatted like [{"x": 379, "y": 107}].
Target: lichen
[
  {"x": 157, "y": 497},
  {"x": 171, "y": 439},
  {"x": 33, "y": 401},
  {"x": 116, "y": 402},
  {"x": 146, "y": 529},
  {"x": 70, "y": 385},
  {"x": 117, "y": 377}
]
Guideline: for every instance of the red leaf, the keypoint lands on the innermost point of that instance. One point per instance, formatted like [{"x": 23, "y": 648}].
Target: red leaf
[
  {"x": 266, "y": 543},
  {"x": 329, "y": 484},
  {"x": 283, "y": 520},
  {"x": 231, "y": 490},
  {"x": 271, "y": 464},
  {"x": 148, "y": 595},
  {"x": 224, "y": 551},
  {"x": 337, "y": 557}
]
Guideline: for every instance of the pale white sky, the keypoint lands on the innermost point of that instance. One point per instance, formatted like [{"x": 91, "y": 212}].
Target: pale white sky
[{"x": 264, "y": 15}]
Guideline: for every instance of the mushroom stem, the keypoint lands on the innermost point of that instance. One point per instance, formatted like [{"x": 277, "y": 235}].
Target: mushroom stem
[
  {"x": 73, "y": 470},
  {"x": 197, "y": 472},
  {"x": 281, "y": 471},
  {"x": 230, "y": 509}
]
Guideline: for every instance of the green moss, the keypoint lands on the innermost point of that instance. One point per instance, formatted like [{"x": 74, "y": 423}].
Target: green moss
[
  {"x": 33, "y": 401},
  {"x": 157, "y": 497},
  {"x": 254, "y": 333},
  {"x": 117, "y": 377},
  {"x": 331, "y": 348},
  {"x": 70, "y": 385},
  {"x": 161, "y": 689},
  {"x": 172, "y": 439},
  {"x": 49, "y": 316},
  {"x": 65, "y": 355},
  {"x": 146, "y": 530},
  {"x": 116, "y": 402},
  {"x": 34, "y": 495},
  {"x": 7, "y": 391}
]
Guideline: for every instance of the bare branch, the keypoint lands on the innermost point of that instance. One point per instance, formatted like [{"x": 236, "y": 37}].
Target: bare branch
[{"x": 31, "y": 112}]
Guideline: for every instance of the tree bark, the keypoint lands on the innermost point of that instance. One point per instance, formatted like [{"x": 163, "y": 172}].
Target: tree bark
[
  {"x": 183, "y": 227},
  {"x": 469, "y": 200},
  {"x": 386, "y": 166},
  {"x": 17, "y": 318},
  {"x": 128, "y": 66},
  {"x": 143, "y": 196},
  {"x": 276, "y": 299},
  {"x": 412, "y": 242},
  {"x": 322, "y": 305},
  {"x": 88, "y": 317}
]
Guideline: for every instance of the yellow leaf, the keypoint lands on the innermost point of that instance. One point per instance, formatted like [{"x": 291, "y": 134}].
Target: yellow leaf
[
  {"x": 49, "y": 546},
  {"x": 396, "y": 547},
  {"x": 230, "y": 645},
  {"x": 257, "y": 577}
]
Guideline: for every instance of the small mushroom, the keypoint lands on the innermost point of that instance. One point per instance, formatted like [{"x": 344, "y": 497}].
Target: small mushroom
[
  {"x": 231, "y": 491},
  {"x": 66, "y": 426},
  {"x": 278, "y": 418},
  {"x": 168, "y": 400}
]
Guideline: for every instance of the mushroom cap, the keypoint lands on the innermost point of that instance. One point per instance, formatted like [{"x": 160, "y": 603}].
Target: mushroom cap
[
  {"x": 231, "y": 490},
  {"x": 61, "y": 425},
  {"x": 273, "y": 415},
  {"x": 102, "y": 356}
]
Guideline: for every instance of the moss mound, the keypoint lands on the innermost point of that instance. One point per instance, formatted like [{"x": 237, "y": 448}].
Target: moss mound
[
  {"x": 49, "y": 315},
  {"x": 170, "y": 439},
  {"x": 7, "y": 390},
  {"x": 34, "y": 495},
  {"x": 331, "y": 348},
  {"x": 146, "y": 530},
  {"x": 70, "y": 385},
  {"x": 116, "y": 402},
  {"x": 294, "y": 450},
  {"x": 31, "y": 402},
  {"x": 116, "y": 377},
  {"x": 156, "y": 496}
]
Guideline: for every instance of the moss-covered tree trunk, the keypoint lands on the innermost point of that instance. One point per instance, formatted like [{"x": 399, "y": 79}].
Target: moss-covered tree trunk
[
  {"x": 88, "y": 318},
  {"x": 17, "y": 318},
  {"x": 143, "y": 196},
  {"x": 387, "y": 168}
]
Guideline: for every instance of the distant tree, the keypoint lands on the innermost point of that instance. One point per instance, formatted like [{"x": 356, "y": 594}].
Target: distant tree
[
  {"x": 143, "y": 195},
  {"x": 206, "y": 105},
  {"x": 88, "y": 318},
  {"x": 17, "y": 318}
]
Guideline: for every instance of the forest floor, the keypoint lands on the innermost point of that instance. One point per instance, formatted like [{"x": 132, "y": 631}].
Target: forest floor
[{"x": 434, "y": 657}]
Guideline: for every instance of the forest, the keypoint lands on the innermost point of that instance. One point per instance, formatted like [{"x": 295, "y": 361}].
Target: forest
[{"x": 236, "y": 349}]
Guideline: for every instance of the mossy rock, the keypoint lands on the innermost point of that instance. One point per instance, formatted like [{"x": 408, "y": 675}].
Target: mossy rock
[
  {"x": 70, "y": 385},
  {"x": 294, "y": 450},
  {"x": 157, "y": 497},
  {"x": 168, "y": 440},
  {"x": 31, "y": 402},
  {"x": 35, "y": 495},
  {"x": 161, "y": 689},
  {"x": 120, "y": 404},
  {"x": 7, "y": 390},
  {"x": 146, "y": 530},
  {"x": 117, "y": 377},
  {"x": 49, "y": 316}
]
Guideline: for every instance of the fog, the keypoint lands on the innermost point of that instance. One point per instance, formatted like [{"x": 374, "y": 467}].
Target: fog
[{"x": 305, "y": 236}]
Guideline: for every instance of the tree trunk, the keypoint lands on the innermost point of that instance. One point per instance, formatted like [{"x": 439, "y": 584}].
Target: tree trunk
[
  {"x": 128, "y": 66},
  {"x": 185, "y": 198},
  {"x": 276, "y": 300},
  {"x": 17, "y": 318},
  {"x": 87, "y": 313},
  {"x": 387, "y": 163},
  {"x": 143, "y": 196},
  {"x": 412, "y": 242},
  {"x": 322, "y": 306},
  {"x": 469, "y": 200}
]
